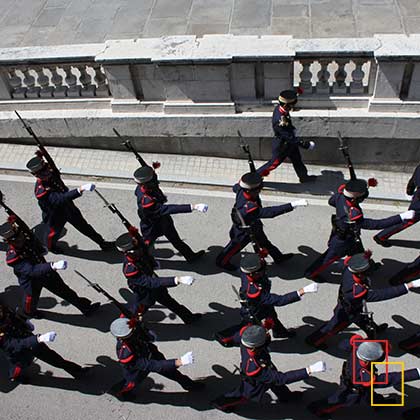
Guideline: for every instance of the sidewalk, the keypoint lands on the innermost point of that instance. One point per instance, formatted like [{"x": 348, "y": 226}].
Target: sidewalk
[{"x": 201, "y": 170}]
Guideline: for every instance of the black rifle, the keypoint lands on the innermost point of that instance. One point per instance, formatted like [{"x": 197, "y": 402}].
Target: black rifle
[
  {"x": 20, "y": 226},
  {"x": 43, "y": 153},
  {"x": 245, "y": 148},
  {"x": 370, "y": 323},
  {"x": 147, "y": 258},
  {"x": 345, "y": 150},
  {"x": 129, "y": 146}
]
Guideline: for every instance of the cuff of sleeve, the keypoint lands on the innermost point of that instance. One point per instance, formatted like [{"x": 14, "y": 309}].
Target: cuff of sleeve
[
  {"x": 406, "y": 286},
  {"x": 299, "y": 295}
]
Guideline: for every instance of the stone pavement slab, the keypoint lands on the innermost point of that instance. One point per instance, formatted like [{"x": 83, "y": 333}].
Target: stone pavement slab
[
  {"x": 203, "y": 170},
  {"x": 89, "y": 21}
]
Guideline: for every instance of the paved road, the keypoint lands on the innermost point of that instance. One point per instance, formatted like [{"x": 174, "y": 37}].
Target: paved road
[
  {"x": 304, "y": 231},
  {"x": 54, "y": 22}
]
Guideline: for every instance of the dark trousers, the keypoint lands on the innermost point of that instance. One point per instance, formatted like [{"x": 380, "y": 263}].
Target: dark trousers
[
  {"x": 410, "y": 272},
  {"x": 340, "y": 320},
  {"x": 165, "y": 227},
  {"x": 337, "y": 249},
  {"x": 162, "y": 296},
  {"x": 385, "y": 234},
  {"x": 411, "y": 344},
  {"x": 76, "y": 219},
  {"x": 44, "y": 353},
  {"x": 240, "y": 239},
  {"x": 281, "y": 151},
  {"x": 55, "y": 284}
]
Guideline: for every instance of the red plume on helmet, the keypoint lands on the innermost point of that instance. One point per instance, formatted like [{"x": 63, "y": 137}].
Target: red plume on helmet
[
  {"x": 372, "y": 182},
  {"x": 156, "y": 165},
  {"x": 132, "y": 323},
  {"x": 368, "y": 254},
  {"x": 299, "y": 90},
  {"x": 12, "y": 219}
]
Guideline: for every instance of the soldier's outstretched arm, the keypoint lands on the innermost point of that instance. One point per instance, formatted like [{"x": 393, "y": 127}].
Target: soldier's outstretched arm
[
  {"x": 394, "y": 378},
  {"x": 377, "y": 224}
]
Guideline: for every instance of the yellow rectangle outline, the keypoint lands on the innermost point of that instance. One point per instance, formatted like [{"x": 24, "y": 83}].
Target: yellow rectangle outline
[{"x": 402, "y": 384}]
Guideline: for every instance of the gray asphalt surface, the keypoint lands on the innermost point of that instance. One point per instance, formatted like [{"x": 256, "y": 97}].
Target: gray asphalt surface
[{"x": 52, "y": 394}]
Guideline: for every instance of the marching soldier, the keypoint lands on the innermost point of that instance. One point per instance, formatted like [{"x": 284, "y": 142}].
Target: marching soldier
[
  {"x": 409, "y": 272},
  {"x": 413, "y": 189},
  {"x": 259, "y": 374},
  {"x": 258, "y": 303},
  {"x": 286, "y": 144},
  {"x": 138, "y": 357},
  {"x": 21, "y": 346},
  {"x": 58, "y": 208},
  {"x": 353, "y": 294},
  {"x": 356, "y": 379},
  {"x": 347, "y": 224},
  {"x": 34, "y": 273},
  {"x": 147, "y": 287},
  {"x": 247, "y": 226},
  {"x": 155, "y": 215}
]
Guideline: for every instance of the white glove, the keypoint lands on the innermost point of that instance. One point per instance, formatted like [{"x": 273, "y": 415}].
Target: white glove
[
  {"x": 299, "y": 203},
  {"x": 187, "y": 359},
  {"x": 311, "y": 288},
  {"x": 202, "y": 208},
  {"x": 59, "y": 265},
  {"x": 311, "y": 145},
  {"x": 317, "y": 367},
  {"x": 188, "y": 280},
  {"x": 47, "y": 337},
  {"x": 415, "y": 283},
  {"x": 407, "y": 215},
  {"x": 87, "y": 187}
]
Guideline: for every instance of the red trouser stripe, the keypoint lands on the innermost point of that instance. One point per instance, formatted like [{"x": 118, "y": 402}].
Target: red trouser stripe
[
  {"x": 396, "y": 230},
  {"x": 50, "y": 238},
  {"x": 274, "y": 165},
  {"x": 28, "y": 304},
  {"x": 337, "y": 329},
  {"x": 16, "y": 372},
  {"x": 323, "y": 267},
  {"x": 411, "y": 346},
  {"x": 232, "y": 404},
  {"x": 230, "y": 254},
  {"x": 331, "y": 409}
]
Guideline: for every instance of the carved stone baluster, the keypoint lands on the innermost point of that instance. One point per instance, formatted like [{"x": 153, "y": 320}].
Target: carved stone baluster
[
  {"x": 44, "y": 83},
  {"x": 59, "y": 91},
  {"x": 102, "y": 89},
  {"x": 88, "y": 88},
  {"x": 30, "y": 82},
  {"x": 71, "y": 80},
  {"x": 356, "y": 85},
  {"x": 18, "y": 90},
  {"x": 323, "y": 86},
  {"x": 306, "y": 76},
  {"x": 339, "y": 86}
]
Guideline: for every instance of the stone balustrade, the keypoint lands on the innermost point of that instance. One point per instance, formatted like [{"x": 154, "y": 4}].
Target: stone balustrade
[{"x": 216, "y": 73}]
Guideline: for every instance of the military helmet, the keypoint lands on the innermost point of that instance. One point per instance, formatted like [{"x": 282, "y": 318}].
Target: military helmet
[
  {"x": 143, "y": 174},
  {"x": 120, "y": 328},
  {"x": 359, "y": 263},
  {"x": 254, "y": 336},
  {"x": 125, "y": 243},
  {"x": 7, "y": 231},
  {"x": 35, "y": 164},
  {"x": 250, "y": 181},
  {"x": 288, "y": 97},
  {"x": 356, "y": 188},
  {"x": 370, "y": 351},
  {"x": 250, "y": 263}
]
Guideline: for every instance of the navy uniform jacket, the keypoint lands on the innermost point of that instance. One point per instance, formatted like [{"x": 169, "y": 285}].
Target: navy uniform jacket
[
  {"x": 140, "y": 361},
  {"x": 283, "y": 127},
  {"x": 18, "y": 349},
  {"x": 260, "y": 301},
  {"x": 413, "y": 188},
  {"x": 349, "y": 214},
  {"x": 259, "y": 374},
  {"x": 26, "y": 270},
  {"x": 252, "y": 210},
  {"x": 56, "y": 206},
  {"x": 144, "y": 285},
  {"x": 353, "y": 292}
]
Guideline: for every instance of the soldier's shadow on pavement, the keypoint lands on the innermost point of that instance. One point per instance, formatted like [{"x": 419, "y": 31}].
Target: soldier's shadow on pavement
[
  {"x": 408, "y": 328},
  {"x": 325, "y": 184},
  {"x": 292, "y": 269}
]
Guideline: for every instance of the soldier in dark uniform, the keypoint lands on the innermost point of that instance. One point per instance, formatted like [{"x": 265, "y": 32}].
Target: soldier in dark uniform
[
  {"x": 34, "y": 273},
  {"x": 347, "y": 225},
  {"x": 355, "y": 379},
  {"x": 409, "y": 272},
  {"x": 258, "y": 303},
  {"x": 286, "y": 144},
  {"x": 247, "y": 226},
  {"x": 155, "y": 215},
  {"x": 258, "y": 373},
  {"x": 21, "y": 346},
  {"x": 413, "y": 189},
  {"x": 138, "y": 357},
  {"x": 353, "y": 294},
  {"x": 147, "y": 287},
  {"x": 58, "y": 208}
]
